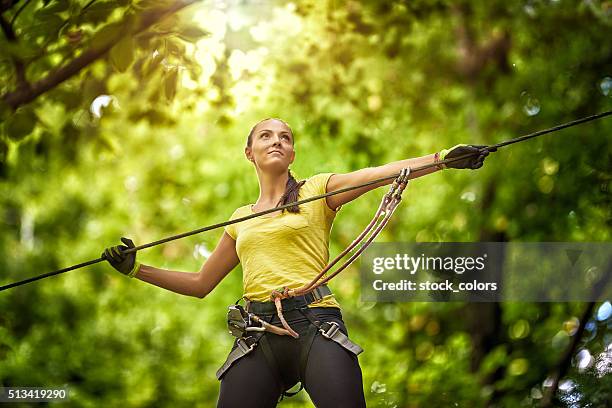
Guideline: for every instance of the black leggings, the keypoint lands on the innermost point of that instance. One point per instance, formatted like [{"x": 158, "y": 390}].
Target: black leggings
[{"x": 332, "y": 376}]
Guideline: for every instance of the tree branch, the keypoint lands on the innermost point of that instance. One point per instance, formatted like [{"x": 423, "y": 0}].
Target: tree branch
[{"x": 22, "y": 96}]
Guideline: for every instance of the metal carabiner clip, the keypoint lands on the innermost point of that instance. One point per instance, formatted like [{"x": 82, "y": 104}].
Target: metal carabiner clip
[{"x": 237, "y": 320}]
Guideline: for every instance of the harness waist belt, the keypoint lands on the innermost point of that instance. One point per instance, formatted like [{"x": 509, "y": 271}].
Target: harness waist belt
[{"x": 291, "y": 303}]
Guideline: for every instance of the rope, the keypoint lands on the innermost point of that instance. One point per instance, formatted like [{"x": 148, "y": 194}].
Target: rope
[
  {"x": 331, "y": 193},
  {"x": 553, "y": 129}
]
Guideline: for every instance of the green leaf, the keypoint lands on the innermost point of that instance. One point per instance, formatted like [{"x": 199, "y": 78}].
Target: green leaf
[
  {"x": 122, "y": 54},
  {"x": 98, "y": 12},
  {"x": 170, "y": 81},
  {"x": 20, "y": 124},
  {"x": 192, "y": 33},
  {"x": 56, "y": 7},
  {"x": 46, "y": 26},
  {"x": 107, "y": 35}
]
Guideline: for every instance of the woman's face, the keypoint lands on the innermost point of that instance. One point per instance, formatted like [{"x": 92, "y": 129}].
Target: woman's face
[{"x": 271, "y": 146}]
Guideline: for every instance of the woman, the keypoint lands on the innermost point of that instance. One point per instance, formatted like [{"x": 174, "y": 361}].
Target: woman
[{"x": 285, "y": 249}]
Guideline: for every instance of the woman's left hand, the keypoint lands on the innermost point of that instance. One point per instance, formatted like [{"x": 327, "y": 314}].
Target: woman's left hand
[{"x": 474, "y": 160}]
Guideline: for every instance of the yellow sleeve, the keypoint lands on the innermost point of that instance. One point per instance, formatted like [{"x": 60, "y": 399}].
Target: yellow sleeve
[
  {"x": 231, "y": 229},
  {"x": 318, "y": 185}
]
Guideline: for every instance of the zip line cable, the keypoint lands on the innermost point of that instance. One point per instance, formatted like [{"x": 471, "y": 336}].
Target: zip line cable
[
  {"x": 343, "y": 190},
  {"x": 554, "y": 129}
]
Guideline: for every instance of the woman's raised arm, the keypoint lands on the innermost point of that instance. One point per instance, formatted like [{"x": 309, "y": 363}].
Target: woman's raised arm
[
  {"x": 222, "y": 260},
  {"x": 463, "y": 157},
  {"x": 340, "y": 181}
]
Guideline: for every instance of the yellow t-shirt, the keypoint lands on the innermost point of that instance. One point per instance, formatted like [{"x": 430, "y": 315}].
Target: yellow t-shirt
[{"x": 285, "y": 249}]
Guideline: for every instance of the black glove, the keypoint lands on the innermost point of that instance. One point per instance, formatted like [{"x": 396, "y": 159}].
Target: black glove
[
  {"x": 474, "y": 161},
  {"x": 124, "y": 263}
]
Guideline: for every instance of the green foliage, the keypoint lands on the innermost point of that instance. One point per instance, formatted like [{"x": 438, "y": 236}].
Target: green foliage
[
  {"x": 361, "y": 84},
  {"x": 20, "y": 124}
]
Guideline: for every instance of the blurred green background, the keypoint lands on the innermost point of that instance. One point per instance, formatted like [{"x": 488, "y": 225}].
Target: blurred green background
[{"x": 129, "y": 118}]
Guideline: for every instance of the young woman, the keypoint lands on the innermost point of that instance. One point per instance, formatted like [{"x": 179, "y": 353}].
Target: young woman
[{"x": 285, "y": 249}]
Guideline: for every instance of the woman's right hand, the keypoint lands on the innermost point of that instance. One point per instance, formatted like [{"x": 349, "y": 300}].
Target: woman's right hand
[
  {"x": 220, "y": 262},
  {"x": 124, "y": 263}
]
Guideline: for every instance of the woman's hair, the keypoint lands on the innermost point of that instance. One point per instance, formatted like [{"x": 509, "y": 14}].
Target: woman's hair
[{"x": 293, "y": 187}]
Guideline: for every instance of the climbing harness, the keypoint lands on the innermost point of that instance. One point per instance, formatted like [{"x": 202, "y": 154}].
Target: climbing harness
[
  {"x": 297, "y": 203},
  {"x": 249, "y": 325}
]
